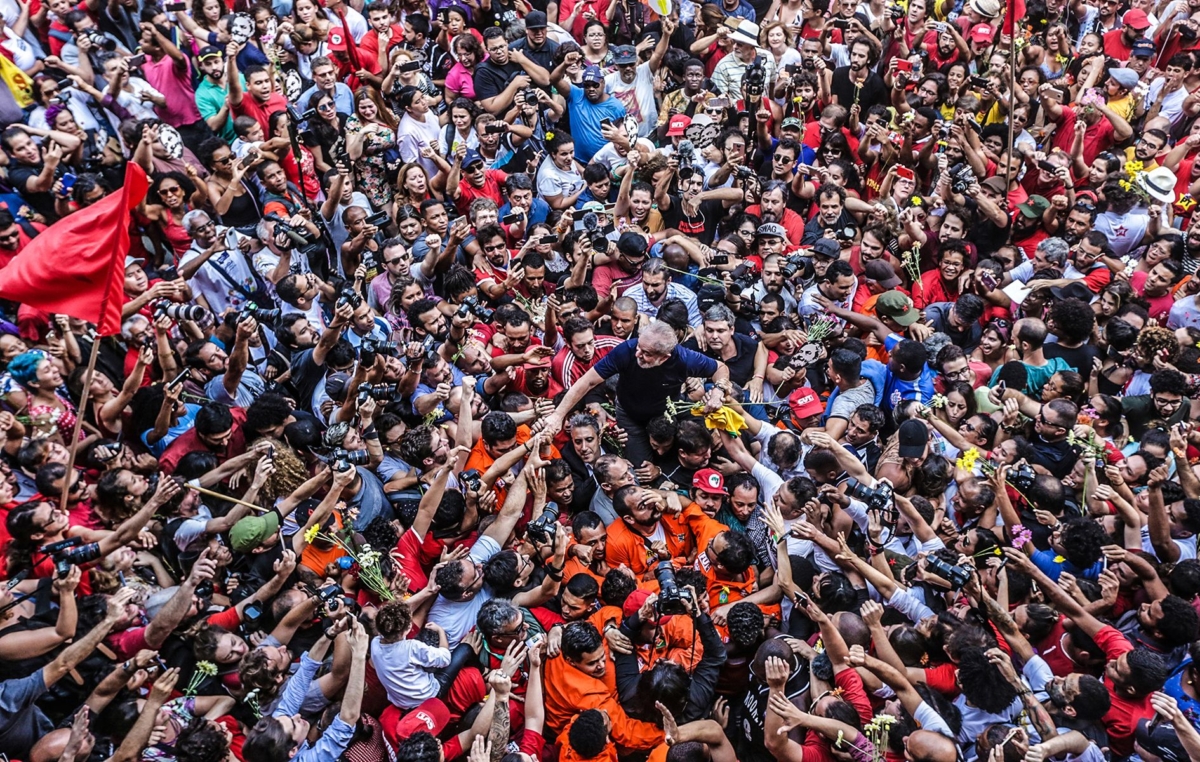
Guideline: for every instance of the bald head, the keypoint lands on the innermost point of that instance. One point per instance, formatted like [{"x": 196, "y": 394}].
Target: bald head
[
  {"x": 927, "y": 746},
  {"x": 50, "y": 747}
]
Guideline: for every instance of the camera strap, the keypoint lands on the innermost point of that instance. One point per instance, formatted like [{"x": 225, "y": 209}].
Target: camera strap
[{"x": 255, "y": 296}]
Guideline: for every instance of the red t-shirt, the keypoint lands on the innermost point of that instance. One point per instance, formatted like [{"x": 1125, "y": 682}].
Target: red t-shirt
[
  {"x": 260, "y": 112},
  {"x": 1160, "y": 306},
  {"x": 467, "y": 192},
  {"x": 1122, "y": 718}
]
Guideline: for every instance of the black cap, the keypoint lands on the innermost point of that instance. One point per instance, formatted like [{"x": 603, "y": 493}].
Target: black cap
[
  {"x": 535, "y": 20},
  {"x": 914, "y": 435},
  {"x": 1072, "y": 291}
]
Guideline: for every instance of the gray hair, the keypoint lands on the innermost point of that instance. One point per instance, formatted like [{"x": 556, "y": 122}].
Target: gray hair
[
  {"x": 659, "y": 337},
  {"x": 584, "y": 421},
  {"x": 195, "y": 219},
  {"x": 1056, "y": 250},
  {"x": 604, "y": 466},
  {"x": 654, "y": 266},
  {"x": 494, "y": 615},
  {"x": 130, "y": 323},
  {"x": 935, "y": 342},
  {"x": 719, "y": 313}
]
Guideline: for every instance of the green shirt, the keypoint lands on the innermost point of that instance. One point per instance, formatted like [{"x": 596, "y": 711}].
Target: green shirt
[
  {"x": 210, "y": 98},
  {"x": 1139, "y": 411},
  {"x": 1037, "y": 376}
]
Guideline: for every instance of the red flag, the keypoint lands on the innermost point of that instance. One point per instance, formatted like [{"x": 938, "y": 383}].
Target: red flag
[
  {"x": 77, "y": 266},
  {"x": 1011, "y": 13}
]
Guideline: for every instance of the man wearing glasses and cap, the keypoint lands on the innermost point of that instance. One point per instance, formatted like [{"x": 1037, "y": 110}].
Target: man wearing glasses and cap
[
  {"x": 633, "y": 83},
  {"x": 590, "y": 105}
]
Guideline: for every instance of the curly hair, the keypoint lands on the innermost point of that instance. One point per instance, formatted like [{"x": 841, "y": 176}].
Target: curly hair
[
  {"x": 1154, "y": 339},
  {"x": 1082, "y": 540},
  {"x": 256, "y": 674},
  {"x": 393, "y": 621},
  {"x": 201, "y": 741},
  {"x": 982, "y": 682},
  {"x": 289, "y": 472}
]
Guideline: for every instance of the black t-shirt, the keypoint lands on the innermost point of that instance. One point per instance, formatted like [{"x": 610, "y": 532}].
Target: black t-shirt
[
  {"x": 43, "y": 202},
  {"x": 490, "y": 79},
  {"x": 1079, "y": 358},
  {"x": 1058, "y": 457},
  {"x": 702, "y": 226},
  {"x": 643, "y": 392},
  {"x": 741, "y": 365},
  {"x": 873, "y": 92}
]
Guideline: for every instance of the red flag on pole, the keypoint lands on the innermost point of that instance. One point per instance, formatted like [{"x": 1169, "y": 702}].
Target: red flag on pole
[
  {"x": 1015, "y": 10},
  {"x": 77, "y": 267}
]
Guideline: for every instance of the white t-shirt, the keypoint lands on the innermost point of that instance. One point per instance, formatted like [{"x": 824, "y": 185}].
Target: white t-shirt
[
  {"x": 215, "y": 287},
  {"x": 458, "y": 617},
  {"x": 413, "y": 135},
  {"x": 1185, "y": 313},
  {"x": 552, "y": 181},
  {"x": 637, "y": 96},
  {"x": 403, "y": 668}
]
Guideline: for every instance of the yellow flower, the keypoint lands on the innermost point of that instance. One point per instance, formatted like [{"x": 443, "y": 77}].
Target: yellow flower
[
  {"x": 312, "y": 533},
  {"x": 1133, "y": 167}
]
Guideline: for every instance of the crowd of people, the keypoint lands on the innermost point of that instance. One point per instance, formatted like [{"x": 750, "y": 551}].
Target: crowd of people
[{"x": 521, "y": 380}]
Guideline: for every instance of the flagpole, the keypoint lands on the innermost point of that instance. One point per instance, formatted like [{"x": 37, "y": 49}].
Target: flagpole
[
  {"x": 79, "y": 413},
  {"x": 1012, "y": 99}
]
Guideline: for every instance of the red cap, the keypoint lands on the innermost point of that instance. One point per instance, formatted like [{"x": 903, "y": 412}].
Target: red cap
[
  {"x": 1136, "y": 19},
  {"x": 982, "y": 33},
  {"x": 431, "y": 717},
  {"x": 709, "y": 480},
  {"x": 337, "y": 38},
  {"x": 678, "y": 124},
  {"x": 635, "y": 601},
  {"x": 804, "y": 402}
]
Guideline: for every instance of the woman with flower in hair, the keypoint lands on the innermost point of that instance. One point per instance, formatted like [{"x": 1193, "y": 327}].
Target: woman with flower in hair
[{"x": 50, "y": 412}]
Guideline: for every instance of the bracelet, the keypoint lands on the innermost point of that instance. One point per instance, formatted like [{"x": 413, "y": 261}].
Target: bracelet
[
  {"x": 370, "y": 432},
  {"x": 329, "y": 634}
]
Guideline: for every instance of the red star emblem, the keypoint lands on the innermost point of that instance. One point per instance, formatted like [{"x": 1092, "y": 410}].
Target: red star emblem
[{"x": 1120, "y": 231}]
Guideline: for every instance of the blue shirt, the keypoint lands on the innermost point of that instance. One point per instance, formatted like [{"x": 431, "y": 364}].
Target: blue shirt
[
  {"x": 642, "y": 393},
  {"x": 343, "y": 98},
  {"x": 744, "y": 11},
  {"x": 539, "y": 210},
  {"x": 186, "y": 422},
  {"x": 1052, "y": 565},
  {"x": 585, "y": 122},
  {"x": 333, "y": 742}
]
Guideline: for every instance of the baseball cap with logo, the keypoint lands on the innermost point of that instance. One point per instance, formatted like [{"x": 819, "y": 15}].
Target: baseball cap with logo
[
  {"x": 982, "y": 33},
  {"x": 678, "y": 125},
  {"x": 804, "y": 403},
  {"x": 430, "y": 717},
  {"x": 593, "y": 74},
  {"x": 252, "y": 531},
  {"x": 472, "y": 157},
  {"x": 898, "y": 307},
  {"x": 1034, "y": 207},
  {"x": 709, "y": 480},
  {"x": 1143, "y": 48},
  {"x": 792, "y": 123},
  {"x": 208, "y": 51},
  {"x": 771, "y": 229},
  {"x": 624, "y": 55},
  {"x": 535, "y": 20}
]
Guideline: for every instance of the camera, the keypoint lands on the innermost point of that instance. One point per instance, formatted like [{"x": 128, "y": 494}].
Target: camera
[
  {"x": 591, "y": 223},
  {"x": 471, "y": 480},
  {"x": 743, "y": 172},
  {"x": 544, "y": 528},
  {"x": 374, "y": 347},
  {"x": 877, "y": 498},
  {"x": 381, "y": 392},
  {"x": 352, "y": 457},
  {"x": 471, "y": 305},
  {"x": 796, "y": 264},
  {"x": 845, "y": 234},
  {"x": 100, "y": 40},
  {"x": 72, "y": 552},
  {"x": 264, "y": 317},
  {"x": 298, "y": 116},
  {"x": 331, "y": 596},
  {"x": 957, "y": 576},
  {"x": 294, "y": 235},
  {"x": 961, "y": 178},
  {"x": 719, "y": 259},
  {"x": 1022, "y": 477},
  {"x": 671, "y": 599},
  {"x": 349, "y": 296},
  {"x": 531, "y": 95},
  {"x": 743, "y": 279},
  {"x": 686, "y": 153},
  {"x": 977, "y": 81},
  {"x": 204, "y": 589},
  {"x": 1187, "y": 33},
  {"x": 755, "y": 78},
  {"x": 379, "y": 219},
  {"x": 178, "y": 311},
  {"x": 408, "y": 66},
  {"x": 896, "y": 12}
]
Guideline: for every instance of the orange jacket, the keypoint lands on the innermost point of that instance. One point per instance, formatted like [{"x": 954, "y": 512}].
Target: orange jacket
[
  {"x": 569, "y": 691},
  {"x": 480, "y": 460},
  {"x": 627, "y": 547}
]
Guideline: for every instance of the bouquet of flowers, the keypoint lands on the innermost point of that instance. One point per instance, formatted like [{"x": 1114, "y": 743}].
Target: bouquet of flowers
[
  {"x": 204, "y": 670},
  {"x": 366, "y": 558}
]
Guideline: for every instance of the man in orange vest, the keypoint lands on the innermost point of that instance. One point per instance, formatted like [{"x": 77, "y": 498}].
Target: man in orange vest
[{"x": 642, "y": 536}]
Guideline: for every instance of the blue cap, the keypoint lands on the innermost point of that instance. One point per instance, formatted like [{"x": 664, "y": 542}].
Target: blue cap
[
  {"x": 593, "y": 74},
  {"x": 472, "y": 157}
]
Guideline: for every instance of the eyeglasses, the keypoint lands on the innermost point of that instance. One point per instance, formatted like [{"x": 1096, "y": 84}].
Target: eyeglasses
[
  {"x": 172, "y": 190},
  {"x": 11, "y": 235},
  {"x": 1084, "y": 206},
  {"x": 223, "y": 159},
  {"x": 1042, "y": 420},
  {"x": 495, "y": 247},
  {"x": 1161, "y": 402},
  {"x": 325, "y": 106},
  {"x": 210, "y": 225},
  {"x": 395, "y": 260}
]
